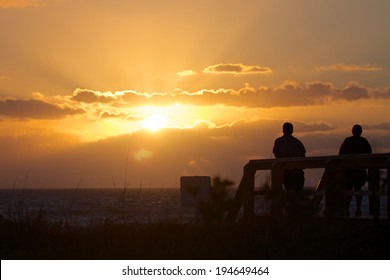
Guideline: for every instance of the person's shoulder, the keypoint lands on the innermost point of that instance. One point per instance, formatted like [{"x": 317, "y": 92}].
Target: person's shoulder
[
  {"x": 349, "y": 139},
  {"x": 295, "y": 139},
  {"x": 366, "y": 141},
  {"x": 281, "y": 138},
  {"x": 362, "y": 139}
]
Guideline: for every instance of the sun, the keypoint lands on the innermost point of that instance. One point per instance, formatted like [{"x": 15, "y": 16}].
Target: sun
[{"x": 155, "y": 122}]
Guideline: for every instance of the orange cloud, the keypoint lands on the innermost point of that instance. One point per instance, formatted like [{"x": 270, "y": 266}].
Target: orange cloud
[
  {"x": 92, "y": 96},
  {"x": 119, "y": 104},
  {"x": 35, "y": 109},
  {"x": 236, "y": 69},
  {"x": 289, "y": 93},
  {"x": 380, "y": 126},
  {"x": 117, "y": 115},
  {"x": 348, "y": 68},
  {"x": 186, "y": 73}
]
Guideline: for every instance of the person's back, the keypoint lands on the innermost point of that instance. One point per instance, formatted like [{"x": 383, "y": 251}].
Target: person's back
[
  {"x": 355, "y": 178},
  {"x": 288, "y": 146},
  {"x": 355, "y": 145}
]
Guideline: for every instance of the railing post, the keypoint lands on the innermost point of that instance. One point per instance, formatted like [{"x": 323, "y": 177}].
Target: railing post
[
  {"x": 331, "y": 181},
  {"x": 249, "y": 191},
  {"x": 277, "y": 174},
  {"x": 334, "y": 200},
  {"x": 373, "y": 186},
  {"x": 388, "y": 189}
]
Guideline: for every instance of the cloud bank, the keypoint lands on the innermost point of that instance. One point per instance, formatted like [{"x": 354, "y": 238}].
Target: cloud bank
[
  {"x": 348, "y": 68},
  {"x": 112, "y": 104},
  {"x": 288, "y": 94},
  {"x": 35, "y": 109},
  {"x": 236, "y": 69}
]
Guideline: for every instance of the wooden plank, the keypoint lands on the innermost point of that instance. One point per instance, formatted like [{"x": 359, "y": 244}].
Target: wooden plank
[{"x": 245, "y": 192}]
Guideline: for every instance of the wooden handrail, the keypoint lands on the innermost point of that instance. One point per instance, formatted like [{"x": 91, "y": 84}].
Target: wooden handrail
[{"x": 245, "y": 193}]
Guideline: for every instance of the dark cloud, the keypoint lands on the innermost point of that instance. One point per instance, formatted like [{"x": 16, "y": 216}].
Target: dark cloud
[
  {"x": 354, "y": 91},
  {"x": 86, "y": 96},
  {"x": 109, "y": 115},
  {"x": 236, "y": 69},
  {"x": 289, "y": 93},
  {"x": 34, "y": 109},
  {"x": 377, "y": 93},
  {"x": 380, "y": 126},
  {"x": 90, "y": 96},
  {"x": 119, "y": 98},
  {"x": 347, "y": 68}
]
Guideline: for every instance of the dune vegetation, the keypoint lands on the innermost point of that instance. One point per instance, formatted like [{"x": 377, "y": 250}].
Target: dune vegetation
[{"x": 261, "y": 239}]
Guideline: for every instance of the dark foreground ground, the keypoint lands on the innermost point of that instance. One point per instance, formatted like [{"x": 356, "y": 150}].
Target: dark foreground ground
[{"x": 265, "y": 239}]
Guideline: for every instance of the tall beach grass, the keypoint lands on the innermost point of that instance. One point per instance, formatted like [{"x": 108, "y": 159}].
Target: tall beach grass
[{"x": 30, "y": 235}]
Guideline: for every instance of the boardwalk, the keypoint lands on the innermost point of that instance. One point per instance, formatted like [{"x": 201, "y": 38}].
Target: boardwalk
[{"x": 330, "y": 183}]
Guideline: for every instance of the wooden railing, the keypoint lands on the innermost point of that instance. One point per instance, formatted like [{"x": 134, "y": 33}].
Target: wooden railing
[{"x": 330, "y": 182}]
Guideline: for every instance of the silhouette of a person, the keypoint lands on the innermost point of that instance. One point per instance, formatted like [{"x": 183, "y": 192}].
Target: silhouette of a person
[
  {"x": 288, "y": 146},
  {"x": 355, "y": 178}
]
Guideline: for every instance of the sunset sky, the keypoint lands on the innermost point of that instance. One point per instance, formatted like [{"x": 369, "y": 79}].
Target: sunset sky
[{"x": 108, "y": 92}]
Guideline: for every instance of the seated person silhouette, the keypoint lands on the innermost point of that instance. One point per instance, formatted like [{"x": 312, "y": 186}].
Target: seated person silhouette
[
  {"x": 355, "y": 178},
  {"x": 288, "y": 146}
]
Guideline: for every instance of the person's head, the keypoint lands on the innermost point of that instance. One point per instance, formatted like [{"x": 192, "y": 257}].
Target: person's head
[
  {"x": 357, "y": 130},
  {"x": 288, "y": 128}
]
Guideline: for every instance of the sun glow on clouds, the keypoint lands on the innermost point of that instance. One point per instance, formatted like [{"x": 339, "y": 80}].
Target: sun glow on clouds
[
  {"x": 155, "y": 122},
  {"x": 94, "y": 115}
]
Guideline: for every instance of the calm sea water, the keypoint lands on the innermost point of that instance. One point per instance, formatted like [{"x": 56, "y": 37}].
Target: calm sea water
[
  {"x": 86, "y": 206},
  {"x": 95, "y": 205}
]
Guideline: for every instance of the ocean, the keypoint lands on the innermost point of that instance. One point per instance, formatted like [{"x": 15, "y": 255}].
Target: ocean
[{"x": 88, "y": 206}]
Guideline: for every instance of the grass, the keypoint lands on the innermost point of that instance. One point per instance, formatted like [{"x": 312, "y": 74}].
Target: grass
[
  {"x": 26, "y": 235},
  {"x": 264, "y": 239}
]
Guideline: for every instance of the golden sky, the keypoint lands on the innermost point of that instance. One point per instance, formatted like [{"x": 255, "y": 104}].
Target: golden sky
[{"x": 183, "y": 87}]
